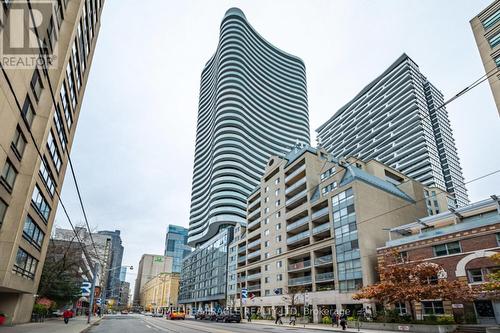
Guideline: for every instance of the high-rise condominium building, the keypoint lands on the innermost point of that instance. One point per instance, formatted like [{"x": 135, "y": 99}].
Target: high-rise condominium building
[
  {"x": 39, "y": 108},
  {"x": 486, "y": 29},
  {"x": 252, "y": 104},
  {"x": 399, "y": 120},
  {"x": 176, "y": 245},
  {"x": 313, "y": 226},
  {"x": 113, "y": 283}
]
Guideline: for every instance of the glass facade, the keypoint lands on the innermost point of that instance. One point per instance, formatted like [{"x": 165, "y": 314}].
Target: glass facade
[
  {"x": 203, "y": 275},
  {"x": 346, "y": 242},
  {"x": 176, "y": 246}
]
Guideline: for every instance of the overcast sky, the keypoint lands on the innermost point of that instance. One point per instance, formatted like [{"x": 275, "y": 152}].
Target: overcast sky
[{"x": 134, "y": 145}]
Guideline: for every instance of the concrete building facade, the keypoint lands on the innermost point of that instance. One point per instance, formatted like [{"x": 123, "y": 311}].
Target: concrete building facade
[
  {"x": 160, "y": 294},
  {"x": 461, "y": 242},
  {"x": 252, "y": 104},
  {"x": 399, "y": 119},
  {"x": 39, "y": 107},
  {"x": 313, "y": 227},
  {"x": 150, "y": 266},
  {"x": 486, "y": 29}
]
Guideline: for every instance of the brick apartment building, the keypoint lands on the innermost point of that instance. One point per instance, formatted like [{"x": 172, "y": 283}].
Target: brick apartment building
[{"x": 461, "y": 241}]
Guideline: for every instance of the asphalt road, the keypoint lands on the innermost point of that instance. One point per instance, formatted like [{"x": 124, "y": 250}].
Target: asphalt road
[{"x": 135, "y": 323}]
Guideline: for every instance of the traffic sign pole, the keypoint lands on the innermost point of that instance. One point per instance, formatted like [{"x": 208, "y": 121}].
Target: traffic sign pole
[{"x": 92, "y": 292}]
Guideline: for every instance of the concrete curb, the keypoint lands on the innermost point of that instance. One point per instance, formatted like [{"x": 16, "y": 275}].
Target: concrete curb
[
  {"x": 313, "y": 328},
  {"x": 97, "y": 322}
]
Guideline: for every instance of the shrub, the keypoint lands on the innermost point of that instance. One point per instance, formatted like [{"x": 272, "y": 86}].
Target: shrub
[
  {"x": 470, "y": 318},
  {"x": 445, "y": 320},
  {"x": 39, "y": 309},
  {"x": 326, "y": 320},
  {"x": 351, "y": 319}
]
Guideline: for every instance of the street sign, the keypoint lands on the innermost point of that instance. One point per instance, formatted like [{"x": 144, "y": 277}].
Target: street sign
[
  {"x": 98, "y": 301},
  {"x": 86, "y": 287},
  {"x": 244, "y": 293},
  {"x": 457, "y": 306}
]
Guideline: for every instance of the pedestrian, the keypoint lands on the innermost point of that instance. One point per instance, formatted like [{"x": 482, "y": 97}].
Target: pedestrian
[
  {"x": 333, "y": 315},
  {"x": 66, "y": 315},
  {"x": 249, "y": 317},
  {"x": 278, "y": 318},
  {"x": 293, "y": 318},
  {"x": 343, "y": 321}
]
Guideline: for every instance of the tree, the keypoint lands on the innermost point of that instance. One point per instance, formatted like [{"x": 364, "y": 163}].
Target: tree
[
  {"x": 294, "y": 296},
  {"x": 411, "y": 282},
  {"x": 491, "y": 289}
]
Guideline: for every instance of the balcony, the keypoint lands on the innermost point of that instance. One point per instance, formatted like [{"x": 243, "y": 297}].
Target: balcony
[
  {"x": 295, "y": 173},
  {"x": 298, "y": 237},
  {"x": 253, "y": 244},
  {"x": 321, "y": 228},
  {"x": 297, "y": 223},
  {"x": 321, "y": 277},
  {"x": 252, "y": 277},
  {"x": 253, "y": 255},
  {"x": 242, "y": 259},
  {"x": 300, "y": 281},
  {"x": 254, "y": 287},
  {"x": 293, "y": 200},
  {"x": 252, "y": 215},
  {"x": 242, "y": 249},
  {"x": 324, "y": 260},
  {"x": 253, "y": 203},
  {"x": 320, "y": 213},
  {"x": 251, "y": 225},
  {"x": 295, "y": 186},
  {"x": 299, "y": 265}
]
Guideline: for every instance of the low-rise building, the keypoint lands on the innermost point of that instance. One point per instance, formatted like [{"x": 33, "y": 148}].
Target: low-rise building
[
  {"x": 160, "y": 293},
  {"x": 313, "y": 227},
  {"x": 461, "y": 241},
  {"x": 150, "y": 266}
]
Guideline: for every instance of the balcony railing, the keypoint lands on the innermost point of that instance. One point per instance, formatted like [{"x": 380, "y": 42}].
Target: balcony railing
[
  {"x": 299, "y": 281},
  {"x": 296, "y": 197},
  {"x": 321, "y": 228},
  {"x": 324, "y": 276},
  {"x": 298, "y": 237},
  {"x": 299, "y": 265},
  {"x": 295, "y": 186},
  {"x": 242, "y": 249},
  {"x": 253, "y": 244},
  {"x": 253, "y": 214},
  {"x": 295, "y": 173},
  {"x": 256, "y": 201},
  {"x": 242, "y": 259},
  {"x": 253, "y": 254},
  {"x": 328, "y": 259},
  {"x": 319, "y": 213},
  {"x": 297, "y": 223},
  {"x": 253, "y": 287},
  {"x": 253, "y": 224},
  {"x": 254, "y": 276}
]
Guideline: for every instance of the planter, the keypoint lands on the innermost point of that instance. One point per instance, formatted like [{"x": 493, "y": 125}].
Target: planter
[
  {"x": 2, "y": 320},
  {"x": 419, "y": 328}
]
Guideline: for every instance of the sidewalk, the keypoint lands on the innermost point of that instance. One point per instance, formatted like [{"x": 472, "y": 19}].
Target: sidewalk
[
  {"x": 75, "y": 325},
  {"x": 319, "y": 327}
]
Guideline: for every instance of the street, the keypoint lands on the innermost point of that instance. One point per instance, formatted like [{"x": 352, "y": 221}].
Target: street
[{"x": 137, "y": 323}]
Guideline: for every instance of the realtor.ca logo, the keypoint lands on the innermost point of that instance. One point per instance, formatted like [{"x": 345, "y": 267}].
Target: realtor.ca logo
[{"x": 29, "y": 34}]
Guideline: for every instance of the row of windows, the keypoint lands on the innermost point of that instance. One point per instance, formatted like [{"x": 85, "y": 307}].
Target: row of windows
[
  {"x": 327, "y": 189},
  {"x": 25, "y": 264},
  {"x": 327, "y": 174},
  {"x": 32, "y": 233},
  {"x": 41, "y": 204},
  {"x": 492, "y": 19}
]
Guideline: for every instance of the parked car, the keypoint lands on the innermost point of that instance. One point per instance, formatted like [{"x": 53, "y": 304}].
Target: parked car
[
  {"x": 124, "y": 312},
  {"x": 148, "y": 314},
  {"x": 229, "y": 316},
  {"x": 177, "y": 315},
  {"x": 157, "y": 314},
  {"x": 199, "y": 315}
]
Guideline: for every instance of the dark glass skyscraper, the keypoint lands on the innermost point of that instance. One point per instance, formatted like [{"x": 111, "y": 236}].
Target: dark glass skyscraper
[
  {"x": 176, "y": 245},
  {"x": 113, "y": 283}
]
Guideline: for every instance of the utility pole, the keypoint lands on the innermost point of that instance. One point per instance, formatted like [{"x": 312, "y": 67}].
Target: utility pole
[{"x": 92, "y": 292}]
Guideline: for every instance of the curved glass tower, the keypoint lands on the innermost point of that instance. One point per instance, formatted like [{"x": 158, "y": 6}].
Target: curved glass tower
[{"x": 252, "y": 104}]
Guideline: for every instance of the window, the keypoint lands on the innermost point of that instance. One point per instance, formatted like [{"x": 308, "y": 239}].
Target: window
[
  {"x": 266, "y": 279},
  {"x": 266, "y": 210},
  {"x": 65, "y": 104},
  {"x": 494, "y": 40},
  {"x": 266, "y": 199},
  {"x": 46, "y": 176},
  {"x": 266, "y": 255},
  {"x": 278, "y": 251},
  {"x": 475, "y": 275},
  {"x": 400, "y": 308},
  {"x": 433, "y": 307},
  {"x": 41, "y": 205},
  {"x": 266, "y": 267},
  {"x": 279, "y": 277},
  {"x": 25, "y": 264},
  {"x": 266, "y": 221},
  {"x": 19, "y": 143},
  {"x": 59, "y": 13},
  {"x": 54, "y": 152},
  {"x": 279, "y": 264},
  {"x": 267, "y": 292},
  {"x": 446, "y": 249},
  {"x": 277, "y": 181},
  {"x": 277, "y": 192},
  {"x": 71, "y": 85},
  {"x": 278, "y": 226},
  {"x": 3, "y": 210},
  {"x": 278, "y": 202},
  {"x": 498, "y": 239},
  {"x": 328, "y": 173},
  {"x": 491, "y": 20},
  {"x": 9, "y": 174},
  {"x": 32, "y": 233},
  {"x": 266, "y": 232},
  {"x": 36, "y": 84},
  {"x": 266, "y": 189},
  {"x": 266, "y": 244},
  {"x": 278, "y": 238},
  {"x": 59, "y": 127},
  {"x": 28, "y": 112}
]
